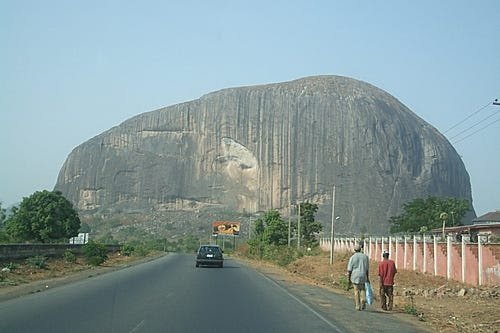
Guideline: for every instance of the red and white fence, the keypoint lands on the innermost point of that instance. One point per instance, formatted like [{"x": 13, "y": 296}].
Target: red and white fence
[{"x": 472, "y": 263}]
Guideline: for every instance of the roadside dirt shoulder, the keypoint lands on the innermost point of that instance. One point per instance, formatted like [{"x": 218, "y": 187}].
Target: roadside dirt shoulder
[
  {"x": 447, "y": 306},
  {"x": 24, "y": 279}
]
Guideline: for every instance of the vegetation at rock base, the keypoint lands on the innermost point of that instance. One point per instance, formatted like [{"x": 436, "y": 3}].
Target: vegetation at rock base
[
  {"x": 95, "y": 253},
  {"x": 271, "y": 229},
  {"x": 3, "y": 215},
  {"x": 270, "y": 236},
  {"x": 427, "y": 214},
  {"x": 4, "y": 237},
  {"x": 45, "y": 217},
  {"x": 69, "y": 256},
  {"x": 127, "y": 250},
  {"x": 309, "y": 227},
  {"x": 37, "y": 262}
]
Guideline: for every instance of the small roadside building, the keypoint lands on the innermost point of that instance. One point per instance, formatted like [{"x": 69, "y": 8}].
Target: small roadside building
[{"x": 488, "y": 218}]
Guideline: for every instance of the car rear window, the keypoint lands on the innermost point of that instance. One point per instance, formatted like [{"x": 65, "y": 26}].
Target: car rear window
[{"x": 209, "y": 249}]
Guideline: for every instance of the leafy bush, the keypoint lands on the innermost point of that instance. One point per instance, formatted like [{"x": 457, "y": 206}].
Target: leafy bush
[
  {"x": 141, "y": 251},
  {"x": 95, "y": 253},
  {"x": 282, "y": 255},
  {"x": 343, "y": 283},
  {"x": 494, "y": 239},
  {"x": 410, "y": 309},
  {"x": 69, "y": 256},
  {"x": 279, "y": 254},
  {"x": 127, "y": 250},
  {"x": 37, "y": 262},
  {"x": 12, "y": 266}
]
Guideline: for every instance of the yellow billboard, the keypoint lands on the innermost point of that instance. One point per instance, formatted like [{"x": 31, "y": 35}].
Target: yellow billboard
[{"x": 226, "y": 228}]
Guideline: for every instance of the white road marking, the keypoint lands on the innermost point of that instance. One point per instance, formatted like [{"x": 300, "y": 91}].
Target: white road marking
[
  {"x": 303, "y": 304},
  {"x": 137, "y": 327}
]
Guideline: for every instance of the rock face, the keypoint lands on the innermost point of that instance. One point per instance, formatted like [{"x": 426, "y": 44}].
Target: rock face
[{"x": 264, "y": 147}]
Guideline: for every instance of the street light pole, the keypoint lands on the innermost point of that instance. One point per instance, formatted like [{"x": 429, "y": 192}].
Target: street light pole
[{"x": 333, "y": 220}]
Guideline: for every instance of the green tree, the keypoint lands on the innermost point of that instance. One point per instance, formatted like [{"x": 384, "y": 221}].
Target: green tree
[
  {"x": 276, "y": 230},
  {"x": 44, "y": 217},
  {"x": 4, "y": 238},
  {"x": 3, "y": 215},
  {"x": 270, "y": 235},
  {"x": 423, "y": 214},
  {"x": 309, "y": 227},
  {"x": 258, "y": 228}
]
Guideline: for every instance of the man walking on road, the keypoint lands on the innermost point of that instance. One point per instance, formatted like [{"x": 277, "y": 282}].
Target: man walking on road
[
  {"x": 357, "y": 274},
  {"x": 386, "y": 271}
]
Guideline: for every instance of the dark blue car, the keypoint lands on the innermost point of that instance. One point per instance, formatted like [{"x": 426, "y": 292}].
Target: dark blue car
[{"x": 209, "y": 255}]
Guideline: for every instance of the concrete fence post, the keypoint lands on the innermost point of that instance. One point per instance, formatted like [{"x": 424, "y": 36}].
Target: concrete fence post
[
  {"x": 377, "y": 253},
  {"x": 448, "y": 257},
  {"x": 390, "y": 246},
  {"x": 370, "y": 248},
  {"x": 480, "y": 260},
  {"x": 381, "y": 249},
  {"x": 463, "y": 259},
  {"x": 414, "y": 252},
  {"x": 425, "y": 254},
  {"x": 396, "y": 257},
  {"x": 435, "y": 257},
  {"x": 405, "y": 254}
]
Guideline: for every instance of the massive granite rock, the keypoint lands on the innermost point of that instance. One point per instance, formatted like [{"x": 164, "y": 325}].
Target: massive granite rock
[{"x": 264, "y": 147}]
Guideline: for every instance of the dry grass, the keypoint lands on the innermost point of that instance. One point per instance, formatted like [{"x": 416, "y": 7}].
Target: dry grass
[{"x": 435, "y": 299}]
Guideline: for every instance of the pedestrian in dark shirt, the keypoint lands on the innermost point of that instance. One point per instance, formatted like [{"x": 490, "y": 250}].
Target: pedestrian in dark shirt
[{"x": 386, "y": 271}]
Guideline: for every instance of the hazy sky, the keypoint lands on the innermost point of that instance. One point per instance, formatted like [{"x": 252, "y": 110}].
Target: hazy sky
[{"x": 70, "y": 70}]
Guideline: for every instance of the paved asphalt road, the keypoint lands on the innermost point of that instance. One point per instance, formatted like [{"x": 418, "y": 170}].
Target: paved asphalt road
[{"x": 171, "y": 295}]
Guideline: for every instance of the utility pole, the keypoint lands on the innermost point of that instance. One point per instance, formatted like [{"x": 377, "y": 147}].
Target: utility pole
[
  {"x": 289, "y": 221},
  {"x": 250, "y": 228},
  {"x": 298, "y": 230},
  {"x": 333, "y": 220}
]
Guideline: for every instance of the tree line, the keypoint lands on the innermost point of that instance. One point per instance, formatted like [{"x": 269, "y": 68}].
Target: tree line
[
  {"x": 421, "y": 215},
  {"x": 48, "y": 217},
  {"x": 271, "y": 232}
]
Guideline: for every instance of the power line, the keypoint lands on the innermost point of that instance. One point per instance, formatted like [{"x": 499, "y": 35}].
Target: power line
[
  {"x": 469, "y": 116},
  {"x": 470, "y": 127},
  {"x": 482, "y": 128}
]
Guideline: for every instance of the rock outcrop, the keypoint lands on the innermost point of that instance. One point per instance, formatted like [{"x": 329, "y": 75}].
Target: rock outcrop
[{"x": 264, "y": 147}]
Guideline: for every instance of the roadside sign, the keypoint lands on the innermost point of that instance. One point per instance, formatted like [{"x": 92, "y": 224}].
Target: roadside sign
[{"x": 226, "y": 228}]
